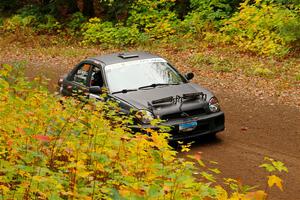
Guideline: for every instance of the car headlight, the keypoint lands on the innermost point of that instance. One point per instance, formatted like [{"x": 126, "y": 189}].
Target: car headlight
[
  {"x": 214, "y": 105},
  {"x": 144, "y": 116}
]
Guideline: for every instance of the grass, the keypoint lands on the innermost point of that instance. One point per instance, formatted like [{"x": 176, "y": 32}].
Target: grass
[
  {"x": 262, "y": 72},
  {"x": 297, "y": 76},
  {"x": 230, "y": 60},
  {"x": 211, "y": 62}
]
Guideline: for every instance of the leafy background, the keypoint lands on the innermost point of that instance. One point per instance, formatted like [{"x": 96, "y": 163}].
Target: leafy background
[{"x": 266, "y": 27}]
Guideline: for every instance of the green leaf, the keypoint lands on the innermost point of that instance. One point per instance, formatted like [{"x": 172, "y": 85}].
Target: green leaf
[
  {"x": 247, "y": 188},
  {"x": 280, "y": 166},
  {"x": 116, "y": 195},
  {"x": 208, "y": 176},
  {"x": 268, "y": 167},
  {"x": 154, "y": 191},
  {"x": 54, "y": 197}
]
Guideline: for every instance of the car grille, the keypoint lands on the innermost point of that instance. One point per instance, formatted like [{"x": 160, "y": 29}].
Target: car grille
[
  {"x": 179, "y": 115},
  {"x": 204, "y": 127}
]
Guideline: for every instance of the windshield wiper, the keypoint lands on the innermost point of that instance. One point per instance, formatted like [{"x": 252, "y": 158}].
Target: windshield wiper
[
  {"x": 124, "y": 91},
  {"x": 157, "y": 84}
]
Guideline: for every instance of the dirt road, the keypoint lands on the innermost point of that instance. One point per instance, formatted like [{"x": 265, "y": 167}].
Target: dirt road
[
  {"x": 254, "y": 130},
  {"x": 255, "y": 127}
]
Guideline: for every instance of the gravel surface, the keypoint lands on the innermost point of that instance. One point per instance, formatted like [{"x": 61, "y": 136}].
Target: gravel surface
[{"x": 255, "y": 129}]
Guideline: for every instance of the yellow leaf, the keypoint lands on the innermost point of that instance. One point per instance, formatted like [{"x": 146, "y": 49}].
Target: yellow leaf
[
  {"x": 275, "y": 180},
  {"x": 221, "y": 193},
  {"x": 257, "y": 195},
  {"x": 215, "y": 170},
  {"x": 37, "y": 178},
  {"x": 237, "y": 196},
  {"x": 4, "y": 189},
  {"x": 124, "y": 191}
]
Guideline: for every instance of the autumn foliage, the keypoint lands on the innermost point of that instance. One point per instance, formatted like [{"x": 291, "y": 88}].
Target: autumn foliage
[
  {"x": 59, "y": 148},
  {"x": 265, "y": 27}
]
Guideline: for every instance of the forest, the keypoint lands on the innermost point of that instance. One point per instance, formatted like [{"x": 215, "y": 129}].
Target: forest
[{"x": 265, "y": 27}]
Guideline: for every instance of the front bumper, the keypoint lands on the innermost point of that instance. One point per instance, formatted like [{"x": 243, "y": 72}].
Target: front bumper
[{"x": 206, "y": 124}]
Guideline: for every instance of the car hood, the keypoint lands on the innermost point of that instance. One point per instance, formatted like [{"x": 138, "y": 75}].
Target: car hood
[{"x": 140, "y": 99}]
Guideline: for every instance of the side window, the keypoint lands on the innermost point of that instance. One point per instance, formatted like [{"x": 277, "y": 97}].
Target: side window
[
  {"x": 81, "y": 76},
  {"x": 96, "y": 78}
]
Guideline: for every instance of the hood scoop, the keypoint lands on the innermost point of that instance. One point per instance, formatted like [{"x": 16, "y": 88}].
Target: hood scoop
[
  {"x": 177, "y": 99},
  {"x": 161, "y": 102},
  {"x": 168, "y": 99},
  {"x": 185, "y": 105}
]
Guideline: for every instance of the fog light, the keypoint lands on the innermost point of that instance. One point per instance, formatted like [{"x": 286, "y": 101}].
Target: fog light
[
  {"x": 144, "y": 116},
  {"x": 214, "y": 105}
]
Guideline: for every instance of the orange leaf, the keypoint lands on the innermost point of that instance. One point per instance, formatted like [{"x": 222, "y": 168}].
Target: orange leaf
[
  {"x": 197, "y": 156},
  {"x": 167, "y": 189},
  {"x": 257, "y": 195},
  {"x": 43, "y": 138},
  {"x": 21, "y": 131},
  {"x": 9, "y": 142}
]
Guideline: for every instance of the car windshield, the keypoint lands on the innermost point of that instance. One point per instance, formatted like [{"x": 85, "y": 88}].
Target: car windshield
[{"x": 141, "y": 73}]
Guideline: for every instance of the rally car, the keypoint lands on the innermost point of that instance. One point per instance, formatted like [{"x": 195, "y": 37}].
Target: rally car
[{"x": 151, "y": 87}]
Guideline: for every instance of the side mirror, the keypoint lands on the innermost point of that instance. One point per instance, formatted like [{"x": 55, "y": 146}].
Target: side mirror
[
  {"x": 189, "y": 76},
  {"x": 95, "y": 90}
]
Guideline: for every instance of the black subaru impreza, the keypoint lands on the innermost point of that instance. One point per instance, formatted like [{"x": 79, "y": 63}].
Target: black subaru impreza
[{"x": 153, "y": 88}]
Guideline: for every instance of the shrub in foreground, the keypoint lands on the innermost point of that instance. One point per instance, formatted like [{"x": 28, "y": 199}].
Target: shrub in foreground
[{"x": 56, "y": 148}]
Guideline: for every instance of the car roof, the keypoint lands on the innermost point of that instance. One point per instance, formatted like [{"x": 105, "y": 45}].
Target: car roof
[{"x": 115, "y": 58}]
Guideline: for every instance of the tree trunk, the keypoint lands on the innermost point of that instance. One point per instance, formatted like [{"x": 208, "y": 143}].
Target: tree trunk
[
  {"x": 65, "y": 8},
  {"x": 182, "y": 8},
  {"x": 80, "y": 5},
  {"x": 88, "y": 8},
  {"x": 72, "y": 6},
  {"x": 98, "y": 9}
]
